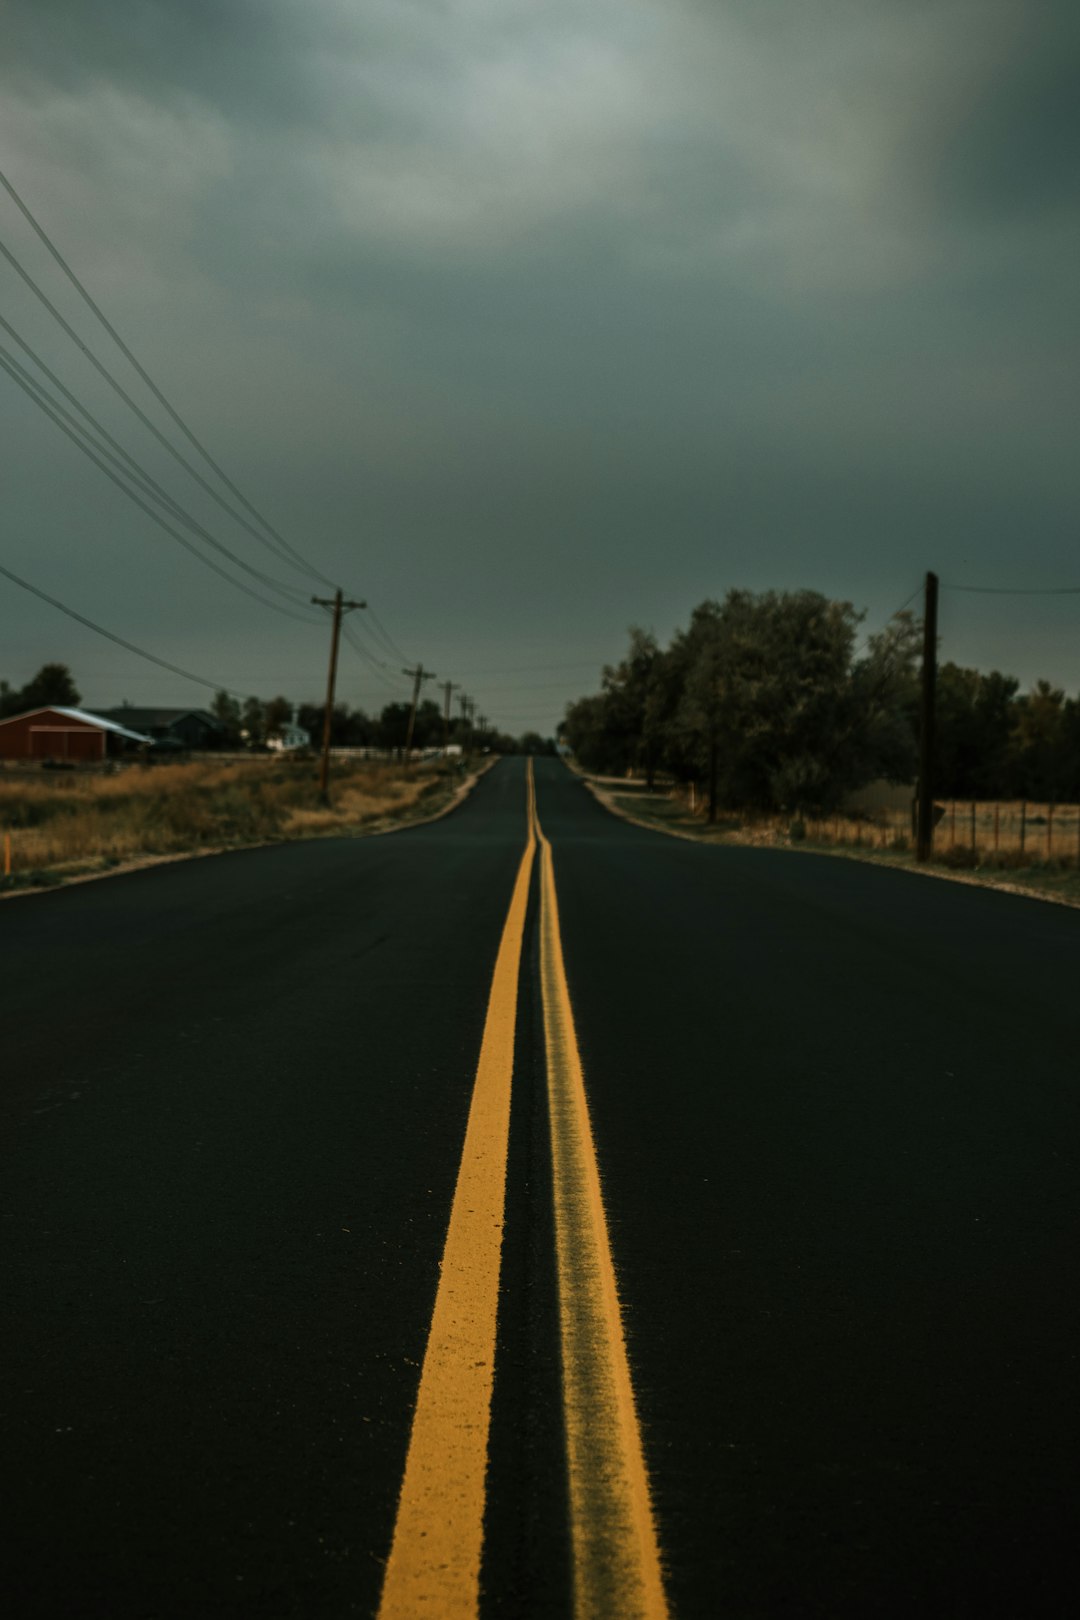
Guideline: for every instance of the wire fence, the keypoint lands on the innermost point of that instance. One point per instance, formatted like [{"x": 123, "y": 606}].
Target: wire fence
[{"x": 967, "y": 831}]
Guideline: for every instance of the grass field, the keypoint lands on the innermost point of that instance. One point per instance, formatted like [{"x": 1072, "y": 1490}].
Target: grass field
[{"x": 61, "y": 825}]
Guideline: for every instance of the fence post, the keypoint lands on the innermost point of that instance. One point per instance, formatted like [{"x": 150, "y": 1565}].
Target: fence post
[
  {"x": 7, "y": 854},
  {"x": 973, "y": 826},
  {"x": 1023, "y": 823},
  {"x": 952, "y": 825},
  {"x": 997, "y": 826},
  {"x": 1049, "y": 828}
]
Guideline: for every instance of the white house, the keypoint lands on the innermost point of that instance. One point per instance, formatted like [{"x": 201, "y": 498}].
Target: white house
[{"x": 288, "y": 737}]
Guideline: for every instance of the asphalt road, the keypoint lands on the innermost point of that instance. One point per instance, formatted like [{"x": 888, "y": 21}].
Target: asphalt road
[{"x": 836, "y": 1118}]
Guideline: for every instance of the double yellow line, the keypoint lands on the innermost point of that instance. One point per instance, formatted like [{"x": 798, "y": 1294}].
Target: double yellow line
[{"x": 434, "y": 1564}]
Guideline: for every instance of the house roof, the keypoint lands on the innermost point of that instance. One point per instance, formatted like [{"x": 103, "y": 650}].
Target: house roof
[
  {"x": 149, "y": 718},
  {"x": 82, "y": 715}
]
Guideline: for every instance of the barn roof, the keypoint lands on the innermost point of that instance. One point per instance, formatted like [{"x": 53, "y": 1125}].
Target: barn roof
[{"x": 82, "y": 715}]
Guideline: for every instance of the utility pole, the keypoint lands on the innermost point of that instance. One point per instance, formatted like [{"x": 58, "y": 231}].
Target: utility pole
[
  {"x": 418, "y": 676},
  {"x": 448, "y": 687},
  {"x": 467, "y": 708},
  {"x": 924, "y": 840},
  {"x": 339, "y": 606}
]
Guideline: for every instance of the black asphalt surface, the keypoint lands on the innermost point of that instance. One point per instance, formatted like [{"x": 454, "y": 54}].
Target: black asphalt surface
[{"x": 836, "y": 1109}]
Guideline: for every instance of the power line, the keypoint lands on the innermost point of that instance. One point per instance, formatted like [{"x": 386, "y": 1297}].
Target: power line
[
  {"x": 140, "y": 652},
  {"x": 136, "y": 467},
  {"x": 524, "y": 669},
  {"x": 388, "y": 640},
  {"x": 374, "y": 657},
  {"x": 295, "y": 557},
  {"x": 376, "y": 665},
  {"x": 141, "y": 478},
  {"x": 1004, "y": 590},
  {"x": 895, "y": 614},
  {"x": 141, "y": 414},
  {"x": 74, "y": 435}
]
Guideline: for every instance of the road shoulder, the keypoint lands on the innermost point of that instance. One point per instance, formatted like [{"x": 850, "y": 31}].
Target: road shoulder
[{"x": 697, "y": 832}]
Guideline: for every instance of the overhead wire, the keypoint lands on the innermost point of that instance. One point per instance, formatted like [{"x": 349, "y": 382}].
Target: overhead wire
[
  {"x": 288, "y": 552},
  {"x": 137, "y": 474},
  {"x": 389, "y": 642},
  {"x": 118, "y": 388},
  {"x": 77, "y": 437},
  {"x": 110, "y": 635},
  {"x": 1004, "y": 590},
  {"x": 272, "y": 540},
  {"x": 375, "y": 665},
  {"x": 895, "y": 614},
  {"x": 373, "y": 656}
]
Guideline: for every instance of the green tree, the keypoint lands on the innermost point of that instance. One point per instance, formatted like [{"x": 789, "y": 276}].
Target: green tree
[
  {"x": 1036, "y": 743},
  {"x": 585, "y": 730},
  {"x": 277, "y": 714},
  {"x": 768, "y": 694},
  {"x": 226, "y": 711},
  {"x": 531, "y": 742},
  {"x": 253, "y": 721},
  {"x": 51, "y": 685}
]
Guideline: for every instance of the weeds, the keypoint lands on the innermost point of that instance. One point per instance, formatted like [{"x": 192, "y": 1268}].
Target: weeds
[{"x": 82, "y": 822}]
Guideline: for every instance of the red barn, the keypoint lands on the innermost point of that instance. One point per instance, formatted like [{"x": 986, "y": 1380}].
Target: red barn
[{"x": 68, "y": 736}]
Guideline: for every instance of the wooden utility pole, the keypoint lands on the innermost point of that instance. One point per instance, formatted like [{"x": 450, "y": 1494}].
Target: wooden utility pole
[
  {"x": 924, "y": 840},
  {"x": 418, "y": 676},
  {"x": 466, "y": 707},
  {"x": 448, "y": 687},
  {"x": 339, "y": 606}
]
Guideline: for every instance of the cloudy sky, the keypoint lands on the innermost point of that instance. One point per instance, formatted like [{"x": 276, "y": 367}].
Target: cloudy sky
[{"x": 530, "y": 322}]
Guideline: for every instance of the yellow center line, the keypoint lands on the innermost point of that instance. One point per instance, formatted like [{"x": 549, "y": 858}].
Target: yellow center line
[
  {"x": 614, "y": 1551},
  {"x": 434, "y": 1563}
]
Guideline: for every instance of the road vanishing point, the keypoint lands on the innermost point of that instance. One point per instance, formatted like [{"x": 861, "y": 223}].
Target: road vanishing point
[{"x": 529, "y": 1214}]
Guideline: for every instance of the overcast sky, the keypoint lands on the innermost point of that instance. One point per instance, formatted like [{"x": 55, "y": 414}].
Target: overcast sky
[{"x": 529, "y": 322}]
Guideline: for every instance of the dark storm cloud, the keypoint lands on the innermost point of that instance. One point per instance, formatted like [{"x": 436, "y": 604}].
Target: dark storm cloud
[
  {"x": 239, "y": 56},
  {"x": 1009, "y": 136},
  {"x": 609, "y": 303}
]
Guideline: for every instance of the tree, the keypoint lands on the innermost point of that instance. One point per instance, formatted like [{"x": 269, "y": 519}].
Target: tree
[
  {"x": 881, "y": 740},
  {"x": 277, "y": 714},
  {"x": 393, "y": 726},
  {"x": 1036, "y": 742},
  {"x": 530, "y": 742},
  {"x": 585, "y": 730},
  {"x": 226, "y": 711},
  {"x": 632, "y": 710},
  {"x": 51, "y": 685},
  {"x": 768, "y": 694},
  {"x": 253, "y": 721}
]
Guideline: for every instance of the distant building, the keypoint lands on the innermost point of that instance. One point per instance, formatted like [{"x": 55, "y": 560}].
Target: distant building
[
  {"x": 62, "y": 736},
  {"x": 191, "y": 728},
  {"x": 288, "y": 737}
]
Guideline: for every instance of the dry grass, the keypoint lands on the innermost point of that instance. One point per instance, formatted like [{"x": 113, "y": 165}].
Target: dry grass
[
  {"x": 66, "y": 824},
  {"x": 1032, "y": 848}
]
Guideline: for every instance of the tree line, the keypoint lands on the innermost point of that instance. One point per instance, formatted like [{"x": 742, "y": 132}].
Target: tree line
[
  {"x": 251, "y": 722},
  {"x": 254, "y": 720},
  {"x": 772, "y": 703}
]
